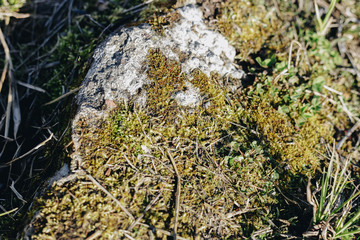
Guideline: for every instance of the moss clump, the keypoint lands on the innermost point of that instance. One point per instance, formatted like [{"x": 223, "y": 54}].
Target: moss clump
[
  {"x": 234, "y": 152},
  {"x": 297, "y": 149},
  {"x": 247, "y": 26},
  {"x": 227, "y": 171},
  {"x": 163, "y": 15},
  {"x": 224, "y": 189},
  {"x": 231, "y": 152},
  {"x": 167, "y": 79}
]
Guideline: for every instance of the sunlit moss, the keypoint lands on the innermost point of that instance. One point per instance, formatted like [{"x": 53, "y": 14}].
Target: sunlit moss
[
  {"x": 247, "y": 26},
  {"x": 230, "y": 151},
  {"x": 298, "y": 149},
  {"x": 167, "y": 78},
  {"x": 127, "y": 154}
]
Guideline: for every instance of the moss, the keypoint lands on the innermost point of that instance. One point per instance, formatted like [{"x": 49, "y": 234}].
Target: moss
[
  {"x": 297, "y": 148},
  {"x": 214, "y": 146},
  {"x": 127, "y": 155},
  {"x": 163, "y": 15},
  {"x": 234, "y": 152},
  {"x": 247, "y": 26},
  {"x": 160, "y": 91}
]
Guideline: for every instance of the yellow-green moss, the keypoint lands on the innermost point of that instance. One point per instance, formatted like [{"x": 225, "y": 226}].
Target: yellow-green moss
[
  {"x": 167, "y": 78},
  {"x": 247, "y": 26},
  {"x": 229, "y": 151},
  {"x": 127, "y": 155},
  {"x": 223, "y": 165},
  {"x": 163, "y": 16},
  {"x": 299, "y": 149}
]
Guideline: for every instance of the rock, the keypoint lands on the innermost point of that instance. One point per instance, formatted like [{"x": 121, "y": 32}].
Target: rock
[{"x": 119, "y": 73}]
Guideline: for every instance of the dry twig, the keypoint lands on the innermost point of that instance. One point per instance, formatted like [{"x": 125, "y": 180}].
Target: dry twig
[{"x": 348, "y": 134}]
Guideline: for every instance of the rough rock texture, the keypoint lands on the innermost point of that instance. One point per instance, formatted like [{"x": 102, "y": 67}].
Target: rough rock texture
[{"x": 119, "y": 71}]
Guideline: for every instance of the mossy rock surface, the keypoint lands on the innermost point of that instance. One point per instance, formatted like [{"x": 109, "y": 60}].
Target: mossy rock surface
[
  {"x": 168, "y": 142},
  {"x": 168, "y": 101}
]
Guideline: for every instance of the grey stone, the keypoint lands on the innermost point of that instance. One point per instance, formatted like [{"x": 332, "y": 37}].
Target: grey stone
[{"x": 118, "y": 71}]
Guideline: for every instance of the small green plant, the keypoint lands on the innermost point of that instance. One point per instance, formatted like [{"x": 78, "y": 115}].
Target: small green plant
[
  {"x": 268, "y": 62},
  {"x": 333, "y": 216},
  {"x": 323, "y": 24}
]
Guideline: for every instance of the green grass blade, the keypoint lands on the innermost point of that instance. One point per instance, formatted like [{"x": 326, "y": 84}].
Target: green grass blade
[
  {"x": 348, "y": 234},
  {"x": 324, "y": 190},
  {"x": 329, "y": 12},
  {"x": 8, "y": 212},
  {"x": 349, "y": 223},
  {"x": 344, "y": 203},
  {"x": 318, "y": 18}
]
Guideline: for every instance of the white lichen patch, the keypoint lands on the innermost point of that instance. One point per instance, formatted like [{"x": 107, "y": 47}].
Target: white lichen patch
[{"x": 119, "y": 72}]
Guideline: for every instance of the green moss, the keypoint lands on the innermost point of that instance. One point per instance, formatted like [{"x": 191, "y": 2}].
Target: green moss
[
  {"x": 127, "y": 155},
  {"x": 234, "y": 152},
  {"x": 297, "y": 148},
  {"x": 231, "y": 151},
  {"x": 167, "y": 78},
  {"x": 247, "y": 26},
  {"x": 225, "y": 165}
]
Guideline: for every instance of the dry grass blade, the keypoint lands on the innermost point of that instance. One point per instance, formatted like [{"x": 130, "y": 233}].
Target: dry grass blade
[
  {"x": 7, "y": 69},
  {"x": 62, "y": 96},
  {"x": 18, "y": 195},
  {"x": 138, "y": 6},
  {"x": 13, "y": 98},
  {"x": 7, "y": 114},
  {"x": 30, "y": 86},
  {"x": 95, "y": 235},
  {"x": 261, "y": 232},
  {"x": 128, "y": 236},
  {"x": 178, "y": 190},
  {"x": 14, "y": 14},
  {"x": 348, "y": 134},
  {"x": 353, "y": 64},
  {"x": 69, "y": 12},
  {"x": 162, "y": 231},
  {"x": 110, "y": 195},
  {"x": 29, "y": 152},
  {"x": 143, "y": 214},
  {"x": 8, "y": 212},
  {"x": 16, "y": 112},
  {"x": 3, "y": 74},
  {"x": 129, "y": 162},
  {"x": 56, "y": 29}
]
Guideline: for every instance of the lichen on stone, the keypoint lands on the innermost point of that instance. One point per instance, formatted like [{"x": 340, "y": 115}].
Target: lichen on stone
[
  {"x": 232, "y": 146},
  {"x": 126, "y": 153}
]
